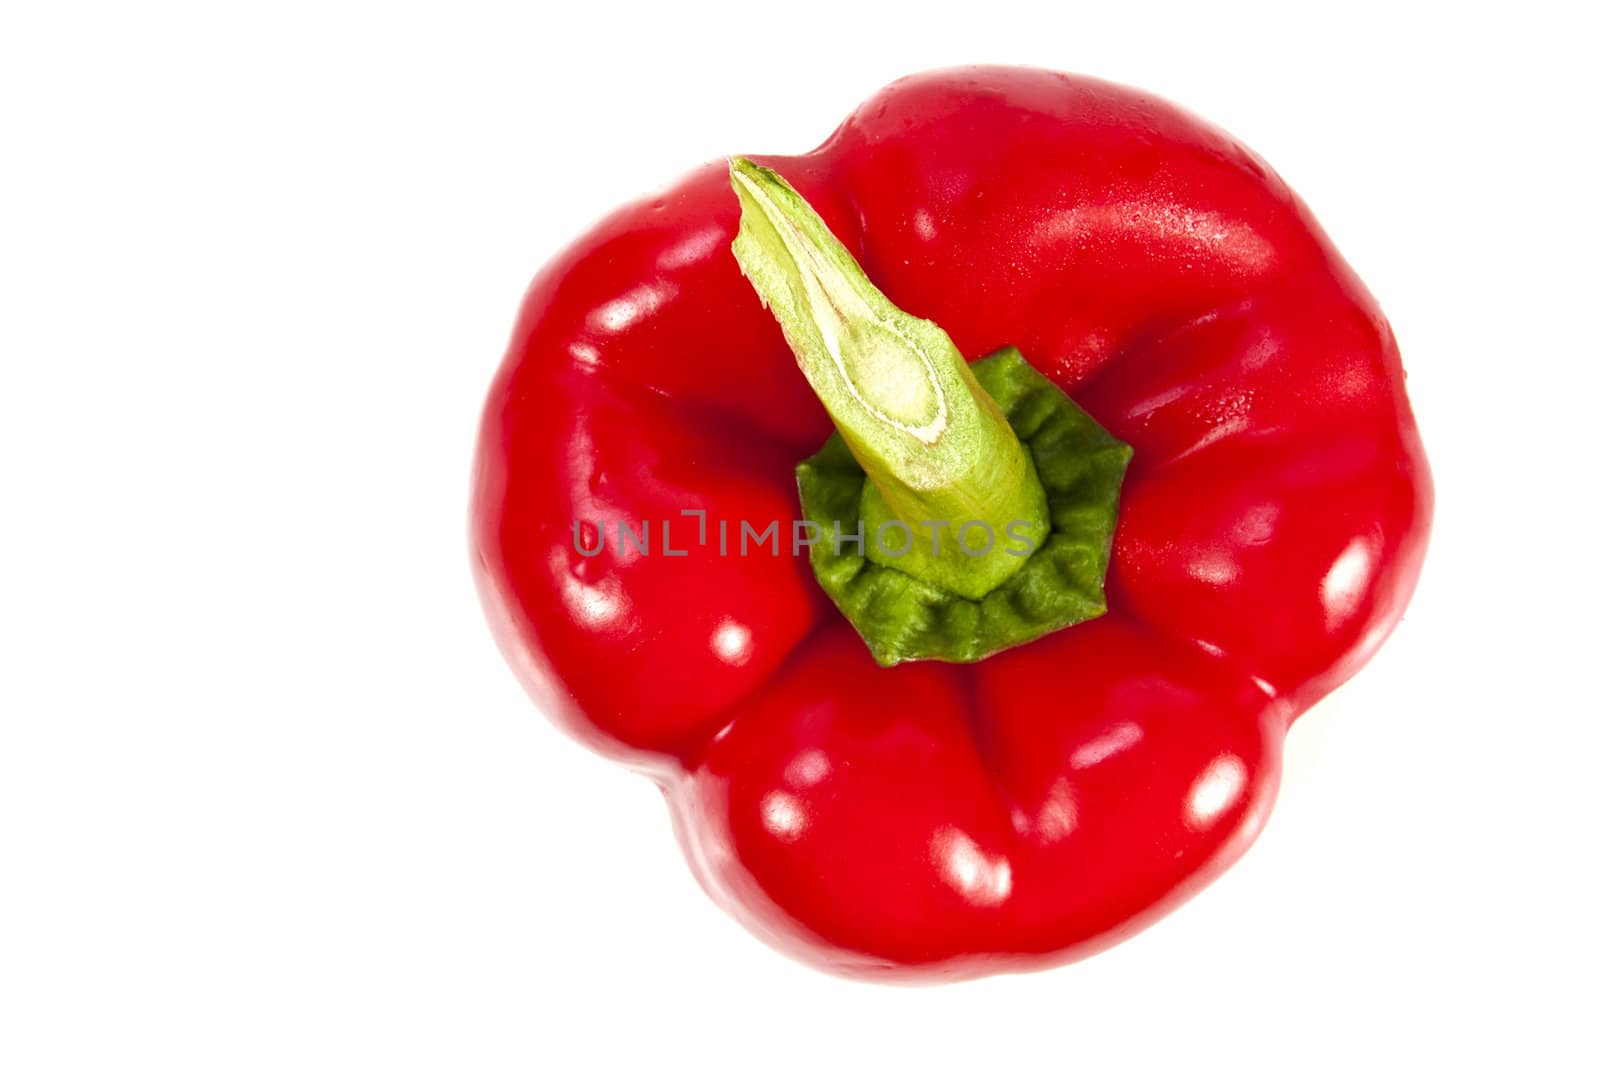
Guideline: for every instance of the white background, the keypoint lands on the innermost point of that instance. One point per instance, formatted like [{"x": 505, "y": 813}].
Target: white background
[{"x": 269, "y": 795}]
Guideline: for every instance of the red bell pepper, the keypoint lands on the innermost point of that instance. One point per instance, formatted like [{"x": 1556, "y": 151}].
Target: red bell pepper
[{"x": 1061, "y": 766}]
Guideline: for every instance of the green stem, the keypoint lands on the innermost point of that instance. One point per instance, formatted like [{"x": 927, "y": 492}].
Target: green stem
[{"x": 938, "y": 454}]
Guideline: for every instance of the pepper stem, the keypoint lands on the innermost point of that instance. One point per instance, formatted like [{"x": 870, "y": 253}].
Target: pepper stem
[{"x": 939, "y": 456}]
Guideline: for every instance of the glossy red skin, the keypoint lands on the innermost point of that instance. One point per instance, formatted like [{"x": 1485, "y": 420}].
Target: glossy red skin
[{"x": 930, "y": 820}]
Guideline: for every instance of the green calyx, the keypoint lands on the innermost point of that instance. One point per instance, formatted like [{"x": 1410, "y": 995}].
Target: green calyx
[
  {"x": 1060, "y": 583},
  {"x": 962, "y": 508}
]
